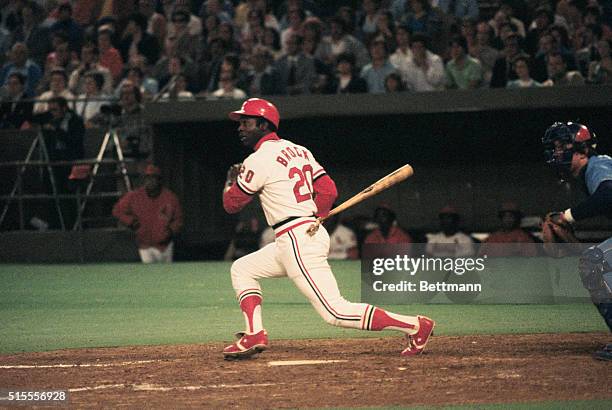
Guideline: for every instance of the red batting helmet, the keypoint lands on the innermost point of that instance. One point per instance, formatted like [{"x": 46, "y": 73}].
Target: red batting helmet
[{"x": 257, "y": 107}]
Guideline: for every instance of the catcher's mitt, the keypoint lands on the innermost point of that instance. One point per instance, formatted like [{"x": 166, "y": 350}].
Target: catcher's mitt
[{"x": 555, "y": 229}]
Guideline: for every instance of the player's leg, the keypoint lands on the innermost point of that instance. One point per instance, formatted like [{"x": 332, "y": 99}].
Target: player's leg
[
  {"x": 245, "y": 273},
  {"x": 305, "y": 259},
  {"x": 596, "y": 277},
  {"x": 167, "y": 255},
  {"x": 146, "y": 255}
]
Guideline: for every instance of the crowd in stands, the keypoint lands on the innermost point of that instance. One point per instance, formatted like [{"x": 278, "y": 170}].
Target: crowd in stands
[{"x": 179, "y": 49}]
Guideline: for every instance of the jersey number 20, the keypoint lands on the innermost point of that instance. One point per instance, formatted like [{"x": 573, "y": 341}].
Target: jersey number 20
[{"x": 304, "y": 179}]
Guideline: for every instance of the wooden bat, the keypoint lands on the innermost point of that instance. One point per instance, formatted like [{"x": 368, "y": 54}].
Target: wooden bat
[{"x": 388, "y": 181}]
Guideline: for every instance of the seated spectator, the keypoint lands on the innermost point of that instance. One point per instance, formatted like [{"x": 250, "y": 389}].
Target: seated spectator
[
  {"x": 89, "y": 103},
  {"x": 156, "y": 22},
  {"x": 227, "y": 87},
  {"x": 542, "y": 21},
  {"x": 185, "y": 44},
  {"x": 193, "y": 23},
  {"x": 148, "y": 86},
  {"x": 271, "y": 40},
  {"x": 15, "y": 109},
  {"x": 510, "y": 233},
  {"x": 460, "y": 9},
  {"x": 67, "y": 24},
  {"x": 134, "y": 136},
  {"x": 346, "y": 79},
  {"x": 423, "y": 19},
  {"x": 35, "y": 35},
  {"x": 585, "y": 43},
  {"x": 20, "y": 63},
  {"x": 508, "y": 9},
  {"x": 394, "y": 84},
  {"x": 425, "y": 71},
  {"x": 297, "y": 70},
  {"x": 387, "y": 231},
  {"x": 341, "y": 41},
  {"x": 262, "y": 78},
  {"x": 60, "y": 58},
  {"x": 549, "y": 45},
  {"x": 57, "y": 88},
  {"x": 375, "y": 72},
  {"x": 450, "y": 241},
  {"x": 342, "y": 240},
  {"x": 136, "y": 40},
  {"x": 600, "y": 72},
  {"x": 89, "y": 63},
  {"x": 558, "y": 75},
  {"x": 385, "y": 29},
  {"x": 520, "y": 65},
  {"x": 484, "y": 52},
  {"x": 403, "y": 54},
  {"x": 295, "y": 17},
  {"x": 179, "y": 92},
  {"x": 462, "y": 71},
  {"x": 109, "y": 55},
  {"x": 502, "y": 70},
  {"x": 366, "y": 21}
]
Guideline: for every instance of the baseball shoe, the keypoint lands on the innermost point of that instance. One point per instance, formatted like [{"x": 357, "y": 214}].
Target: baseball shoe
[
  {"x": 605, "y": 353},
  {"x": 246, "y": 345},
  {"x": 418, "y": 341}
]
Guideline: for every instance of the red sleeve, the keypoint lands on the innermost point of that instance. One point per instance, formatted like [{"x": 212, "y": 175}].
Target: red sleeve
[
  {"x": 234, "y": 199},
  {"x": 325, "y": 194},
  {"x": 123, "y": 210}
]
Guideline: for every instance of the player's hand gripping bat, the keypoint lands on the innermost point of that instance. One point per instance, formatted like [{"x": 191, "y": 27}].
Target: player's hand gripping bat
[{"x": 393, "y": 178}]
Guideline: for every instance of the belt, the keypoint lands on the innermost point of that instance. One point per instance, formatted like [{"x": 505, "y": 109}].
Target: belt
[{"x": 281, "y": 223}]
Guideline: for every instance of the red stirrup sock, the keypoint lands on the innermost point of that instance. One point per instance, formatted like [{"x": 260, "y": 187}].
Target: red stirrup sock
[
  {"x": 382, "y": 320},
  {"x": 250, "y": 303}
]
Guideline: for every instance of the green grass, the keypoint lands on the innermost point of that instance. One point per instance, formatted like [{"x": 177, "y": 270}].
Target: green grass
[{"x": 47, "y": 307}]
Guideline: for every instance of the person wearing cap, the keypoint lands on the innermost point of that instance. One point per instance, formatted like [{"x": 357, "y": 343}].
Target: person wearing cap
[
  {"x": 154, "y": 213},
  {"x": 450, "y": 241},
  {"x": 510, "y": 231},
  {"x": 387, "y": 231}
]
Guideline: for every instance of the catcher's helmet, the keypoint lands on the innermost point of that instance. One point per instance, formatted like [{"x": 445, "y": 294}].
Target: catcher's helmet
[
  {"x": 257, "y": 107},
  {"x": 561, "y": 140}
]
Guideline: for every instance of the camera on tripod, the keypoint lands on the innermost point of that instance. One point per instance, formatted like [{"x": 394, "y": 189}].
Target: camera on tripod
[{"x": 111, "y": 113}]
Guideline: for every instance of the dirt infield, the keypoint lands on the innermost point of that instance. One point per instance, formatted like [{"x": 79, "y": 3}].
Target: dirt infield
[{"x": 364, "y": 372}]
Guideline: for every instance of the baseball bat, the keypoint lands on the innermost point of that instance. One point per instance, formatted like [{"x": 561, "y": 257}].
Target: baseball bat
[{"x": 385, "y": 182}]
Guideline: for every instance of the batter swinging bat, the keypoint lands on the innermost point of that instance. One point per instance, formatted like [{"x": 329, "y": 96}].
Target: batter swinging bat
[{"x": 388, "y": 181}]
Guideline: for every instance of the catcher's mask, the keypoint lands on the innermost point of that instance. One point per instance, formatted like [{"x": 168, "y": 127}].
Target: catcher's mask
[{"x": 561, "y": 140}]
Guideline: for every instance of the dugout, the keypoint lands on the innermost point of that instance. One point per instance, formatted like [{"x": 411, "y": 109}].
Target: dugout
[{"x": 474, "y": 149}]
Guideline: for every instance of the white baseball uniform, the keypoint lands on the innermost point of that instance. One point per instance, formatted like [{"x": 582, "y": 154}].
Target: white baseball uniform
[{"x": 282, "y": 174}]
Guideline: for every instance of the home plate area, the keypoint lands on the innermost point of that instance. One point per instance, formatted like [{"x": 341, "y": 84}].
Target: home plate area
[{"x": 323, "y": 373}]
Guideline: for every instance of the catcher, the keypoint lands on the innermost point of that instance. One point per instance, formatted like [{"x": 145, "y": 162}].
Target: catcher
[{"x": 570, "y": 148}]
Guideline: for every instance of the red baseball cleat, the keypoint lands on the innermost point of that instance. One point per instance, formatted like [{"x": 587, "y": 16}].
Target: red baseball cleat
[
  {"x": 246, "y": 345},
  {"x": 418, "y": 341}
]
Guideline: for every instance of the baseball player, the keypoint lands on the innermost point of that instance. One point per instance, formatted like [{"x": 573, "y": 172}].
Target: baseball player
[
  {"x": 293, "y": 189},
  {"x": 154, "y": 213},
  {"x": 570, "y": 147}
]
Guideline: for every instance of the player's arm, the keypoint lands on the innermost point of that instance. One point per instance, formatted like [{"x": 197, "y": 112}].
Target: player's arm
[
  {"x": 325, "y": 193},
  {"x": 235, "y": 197},
  {"x": 599, "y": 203},
  {"x": 123, "y": 212}
]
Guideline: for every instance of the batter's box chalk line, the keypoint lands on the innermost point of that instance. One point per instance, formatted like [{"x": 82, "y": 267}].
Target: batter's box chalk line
[{"x": 302, "y": 362}]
